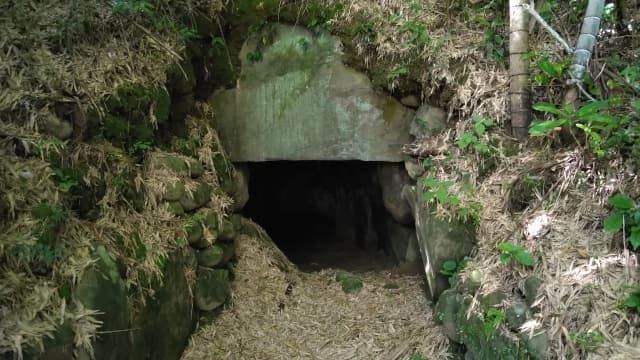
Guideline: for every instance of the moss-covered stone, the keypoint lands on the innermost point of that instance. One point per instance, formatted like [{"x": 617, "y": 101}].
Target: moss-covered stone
[
  {"x": 181, "y": 78},
  {"x": 212, "y": 288},
  {"x": 211, "y": 256},
  {"x": 167, "y": 320},
  {"x": 59, "y": 347},
  {"x": 236, "y": 220},
  {"x": 194, "y": 233},
  {"x": 102, "y": 289},
  {"x": 174, "y": 191},
  {"x": 210, "y": 219},
  {"x": 130, "y": 113},
  {"x": 198, "y": 197},
  {"x": 481, "y": 339},
  {"x": 195, "y": 169},
  {"x": 350, "y": 283},
  {"x": 531, "y": 287},
  {"x": 175, "y": 208},
  {"x": 227, "y": 231}
]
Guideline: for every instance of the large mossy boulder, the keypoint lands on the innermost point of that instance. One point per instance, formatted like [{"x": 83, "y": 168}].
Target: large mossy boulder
[
  {"x": 212, "y": 288},
  {"x": 101, "y": 288},
  {"x": 438, "y": 240},
  {"x": 196, "y": 198},
  {"x": 481, "y": 339},
  {"x": 297, "y": 101},
  {"x": 167, "y": 320}
]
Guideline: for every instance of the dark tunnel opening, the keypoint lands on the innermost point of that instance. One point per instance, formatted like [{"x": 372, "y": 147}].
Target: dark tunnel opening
[{"x": 322, "y": 214}]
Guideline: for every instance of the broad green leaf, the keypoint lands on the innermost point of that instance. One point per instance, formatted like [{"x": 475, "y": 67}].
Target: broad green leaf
[
  {"x": 428, "y": 196},
  {"x": 442, "y": 195},
  {"x": 523, "y": 257},
  {"x": 591, "y": 108},
  {"x": 547, "y": 68},
  {"x": 633, "y": 301},
  {"x": 430, "y": 182},
  {"x": 613, "y": 223},
  {"x": 634, "y": 239},
  {"x": 454, "y": 201},
  {"x": 449, "y": 265},
  {"x": 504, "y": 258},
  {"x": 507, "y": 247},
  {"x": 479, "y": 129},
  {"x": 621, "y": 201},
  {"x": 544, "y": 127},
  {"x": 481, "y": 148},
  {"x": 550, "y": 108}
]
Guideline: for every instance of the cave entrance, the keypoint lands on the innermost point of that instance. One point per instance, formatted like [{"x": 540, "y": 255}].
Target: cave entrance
[{"x": 322, "y": 214}]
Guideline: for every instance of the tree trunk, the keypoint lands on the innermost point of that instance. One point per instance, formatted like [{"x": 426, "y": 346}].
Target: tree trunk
[{"x": 519, "y": 96}]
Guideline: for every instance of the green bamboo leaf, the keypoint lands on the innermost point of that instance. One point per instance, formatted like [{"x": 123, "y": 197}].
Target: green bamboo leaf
[
  {"x": 544, "y": 127},
  {"x": 592, "y": 108},
  {"x": 621, "y": 201},
  {"x": 550, "y": 108},
  {"x": 634, "y": 239},
  {"x": 504, "y": 258},
  {"x": 613, "y": 223}
]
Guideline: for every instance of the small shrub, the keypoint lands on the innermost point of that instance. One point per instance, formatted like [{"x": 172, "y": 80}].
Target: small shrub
[
  {"x": 492, "y": 320},
  {"x": 633, "y": 300},
  {"x": 625, "y": 217},
  {"x": 451, "y": 268},
  {"x": 588, "y": 340},
  {"x": 397, "y": 72},
  {"x": 517, "y": 253}
]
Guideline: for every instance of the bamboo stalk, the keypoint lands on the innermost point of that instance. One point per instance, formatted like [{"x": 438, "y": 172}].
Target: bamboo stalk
[{"x": 520, "y": 99}]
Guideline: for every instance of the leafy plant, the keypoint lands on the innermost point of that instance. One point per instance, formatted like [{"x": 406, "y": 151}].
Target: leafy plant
[
  {"x": 397, "y": 72},
  {"x": 417, "y": 356},
  {"x": 451, "y": 268},
  {"x": 418, "y": 34},
  {"x": 254, "y": 56},
  {"x": 588, "y": 118},
  {"x": 492, "y": 320},
  {"x": 193, "y": 221},
  {"x": 473, "y": 140},
  {"x": 625, "y": 217},
  {"x": 139, "y": 148},
  {"x": 544, "y": 70},
  {"x": 67, "y": 178},
  {"x": 589, "y": 340},
  {"x": 633, "y": 300},
  {"x": 516, "y": 253},
  {"x": 493, "y": 39},
  {"x": 365, "y": 30},
  {"x": 160, "y": 22},
  {"x": 43, "y": 254},
  {"x": 440, "y": 193}
]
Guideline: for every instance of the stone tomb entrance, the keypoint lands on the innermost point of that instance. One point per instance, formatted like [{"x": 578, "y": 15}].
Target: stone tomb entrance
[{"x": 325, "y": 214}]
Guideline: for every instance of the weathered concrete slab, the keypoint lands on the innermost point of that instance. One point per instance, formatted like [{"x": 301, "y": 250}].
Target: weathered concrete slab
[{"x": 299, "y": 102}]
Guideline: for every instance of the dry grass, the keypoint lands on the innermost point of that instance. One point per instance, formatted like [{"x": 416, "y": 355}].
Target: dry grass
[
  {"x": 317, "y": 320},
  {"x": 584, "y": 275},
  {"x": 453, "y": 57}
]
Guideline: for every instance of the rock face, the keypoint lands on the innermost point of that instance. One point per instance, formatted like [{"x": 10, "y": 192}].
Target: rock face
[
  {"x": 162, "y": 326},
  {"x": 438, "y": 241},
  {"x": 212, "y": 288},
  {"x": 392, "y": 178},
  {"x": 297, "y": 101}
]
